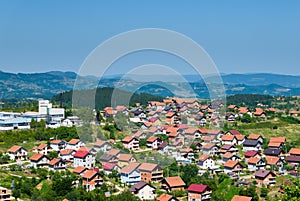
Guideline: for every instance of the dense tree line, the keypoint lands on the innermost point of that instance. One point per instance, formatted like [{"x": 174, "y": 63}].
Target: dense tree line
[
  {"x": 105, "y": 97},
  {"x": 250, "y": 100}
]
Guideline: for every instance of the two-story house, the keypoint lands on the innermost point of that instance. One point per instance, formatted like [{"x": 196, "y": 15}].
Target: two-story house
[
  {"x": 39, "y": 160},
  {"x": 265, "y": 177},
  {"x": 17, "y": 153},
  {"x": 173, "y": 183},
  {"x": 199, "y": 192},
  {"x": 131, "y": 143},
  {"x": 84, "y": 158},
  {"x": 150, "y": 172},
  {"x": 143, "y": 191},
  {"x": 74, "y": 144},
  {"x": 130, "y": 174},
  {"x": 91, "y": 180}
]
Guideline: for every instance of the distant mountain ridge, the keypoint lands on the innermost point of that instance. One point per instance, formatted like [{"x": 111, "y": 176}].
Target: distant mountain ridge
[{"x": 48, "y": 84}]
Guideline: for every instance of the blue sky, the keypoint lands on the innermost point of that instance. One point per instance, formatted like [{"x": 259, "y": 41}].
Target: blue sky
[{"x": 240, "y": 36}]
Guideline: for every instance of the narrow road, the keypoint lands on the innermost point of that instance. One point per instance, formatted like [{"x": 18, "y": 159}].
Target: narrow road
[{"x": 14, "y": 163}]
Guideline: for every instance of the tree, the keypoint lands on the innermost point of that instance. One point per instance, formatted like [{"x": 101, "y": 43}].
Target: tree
[
  {"x": 53, "y": 154},
  {"x": 142, "y": 142},
  {"x": 189, "y": 171},
  {"x": 291, "y": 192}
]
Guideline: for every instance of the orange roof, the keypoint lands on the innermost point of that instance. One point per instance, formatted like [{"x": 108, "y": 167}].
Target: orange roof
[
  {"x": 174, "y": 181},
  {"x": 231, "y": 164},
  {"x": 294, "y": 151},
  {"x": 152, "y": 139},
  {"x": 274, "y": 144},
  {"x": 54, "y": 161},
  {"x": 203, "y": 130},
  {"x": 243, "y": 110},
  {"x": 113, "y": 152},
  {"x": 99, "y": 143},
  {"x": 89, "y": 174},
  {"x": 42, "y": 146},
  {"x": 110, "y": 112},
  {"x": 37, "y": 156},
  {"x": 228, "y": 155},
  {"x": 73, "y": 141},
  {"x": 125, "y": 157},
  {"x": 207, "y": 138},
  {"x": 278, "y": 139},
  {"x": 127, "y": 139},
  {"x": 258, "y": 111},
  {"x": 214, "y": 132},
  {"x": 191, "y": 130},
  {"x": 147, "y": 123},
  {"x": 241, "y": 198},
  {"x": 272, "y": 160},
  {"x": 240, "y": 137},
  {"x": 120, "y": 108},
  {"x": 129, "y": 168},
  {"x": 204, "y": 158},
  {"x": 66, "y": 151},
  {"x": 253, "y": 160},
  {"x": 173, "y": 134},
  {"x": 55, "y": 141},
  {"x": 231, "y": 106},
  {"x": 254, "y": 136},
  {"x": 164, "y": 197},
  {"x": 208, "y": 146},
  {"x": 170, "y": 114},
  {"x": 148, "y": 167},
  {"x": 228, "y": 137},
  {"x": 79, "y": 169},
  {"x": 14, "y": 148},
  {"x": 171, "y": 129}
]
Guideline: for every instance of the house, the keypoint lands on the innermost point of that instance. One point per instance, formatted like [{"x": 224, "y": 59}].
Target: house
[
  {"x": 173, "y": 183},
  {"x": 280, "y": 140},
  {"x": 39, "y": 160},
  {"x": 230, "y": 156},
  {"x": 233, "y": 132},
  {"x": 109, "y": 167},
  {"x": 265, "y": 177},
  {"x": 210, "y": 149},
  {"x": 5, "y": 194},
  {"x": 244, "y": 110},
  {"x": 293, "y": 159},
  {"x": 143, "y": 191},
  {"x": 232, "y": 107},
  {"x": 17, "y": 153},
  {"x": 84, "y": 158},
  {"x": 273, "y": 161},
  {"x": 91, "y": 180},
  {"x": 125, "y": 159},
  {"x": 114, "y": 152},
  {"x": 229, "y": 139},
  {"x": 193, "y": 133},
  {"x": 207, "y": 139},
  {"x": 295, "y": 151},
  {"x": 240, "y": 139},
  {"x": 140, "y": 135},
  {"x": 153, "y": 142},
  {"x": 206, "y": 162},
  {"x": 259, "y": 113},
  {"x": 57, "y": 145},
  {"x": 274, "y": 152},
  {"x": 217, "y": 134},
  {"x": 232, "y": 166},
  {"x": 228, "y": 148},
  {"x": 186, "y": 153},
  {"x": 74, "y": 144},
  {"x": 101, "y": 145},
  {"x": 166, "y": 197},
  {"x": 150, "y": 172},
  {"x": 56, "y": 164},
  {"x": 256, "y": 137},
  {"x": 171, "y": 117},
  {"x": 199, "y": 192},
  {"x": 130, "y": 174},
  {"x": 252, "y": 153},
  {"x": 255, "y": 164},
  {"x": 42, "y": 149},
  {"x": 241, "y": 198},
  {"x": 79, "y": 170},
  {"x": 252, "y": 145},
  {"x": 66, "y": 154},
  {"x": 131, "y": 143},
  {"x": 229, "y": 116}
]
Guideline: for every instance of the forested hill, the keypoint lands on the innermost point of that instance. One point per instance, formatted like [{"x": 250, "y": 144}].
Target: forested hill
[
  {"x": 103, "y": 97},
  {"x": 250, "y": 100}
]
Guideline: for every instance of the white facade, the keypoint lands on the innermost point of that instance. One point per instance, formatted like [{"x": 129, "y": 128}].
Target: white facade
[
  {"x": 146, "y": 193},
  {"x": 88, "y": 161}
]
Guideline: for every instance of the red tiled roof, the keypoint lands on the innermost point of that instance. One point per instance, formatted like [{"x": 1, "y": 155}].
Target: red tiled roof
[
  {"x": 37, "y": 157},
  {"x": 277, "y": 139},
  {"x": 204, "y": 158},
  {"x": 294, "y": 151},
  {"x": 125, "y": 157},
  {"x": 55, "y": 141},
  {"x": 81, "y": 154},
  {"x": 54, "y": 161},
  {"x": 14, "y": 149},
  {"x": 42, "y": 146},
  {"x": 89, "y": 174},
  {"x": 152, "y": 139},
  {"x": 108, "y": 166},
  {"x": 127, "y": 139},
  {"x": 73, "y": 141},
  {"x": 272, "y": 160},
  {"x": 79, "y": 169},
  {"x": 253, "y": 160},
  {"x": 66, "y": 151},
  {"x": 254, "y": 136},
  {"x": 250, "y": 153},
  {"x": 197, "y": 188},
  {"x": 174, "y": 181},
  {"x": 164, "y": 197},
  {"x": 231, "y": 164}
]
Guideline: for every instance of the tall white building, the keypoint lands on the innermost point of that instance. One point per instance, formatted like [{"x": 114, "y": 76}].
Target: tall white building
[{"x": 55, "y": 114}]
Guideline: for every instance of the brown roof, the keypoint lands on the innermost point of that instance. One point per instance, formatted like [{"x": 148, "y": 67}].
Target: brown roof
[
  {"x": 152, "y": 139},
  {"x": 240, "y": 137},
  {"x": 272, "y": 160},
  {"x": 203, "y": 130},
  {"x": 99, "y": 143},
  {"x": 278, "y": 139},
  {"x": 208, "y": 146},
  {"x": 204, "y": 158},
  {"x": 127, "y": 139},
  {"x": 73, "y": 141},
  {"x": 241, "y": 198},
  {"x": 113, "y": 152},
  {"x": 148, "y": 167},
  {"x": 253, "y": 160},
  {"x": 89, "y": 174},
  {"x": 170, "y": 114},
  {"x": 37, "y": 157},
  {"x": 14, "y": 148},
  {"x": 207, "y": 138},
  {"x": 164, "y": 197},
  {"x": 254, "y": 136},
  {"x": 55, "y": 141},
  {"x": 66, "y": 151},
  {"x": 191, "y": 131},
  {"x": 231, "y": 164},
  {"x": 42, "y": 146},
  {"x": 125, "y": 157},
  {"x": 294, "y": 151},
  {"x": 79, "y": 169},
  {"x": 274, "y": 144},
  {"x": 54, "y": 161},
  {"x": 228, "y": 155},
  {"x": 228, "y": 137},
  {"x": 129, "y": 168},
  {"x": 174, "y": 181}
]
